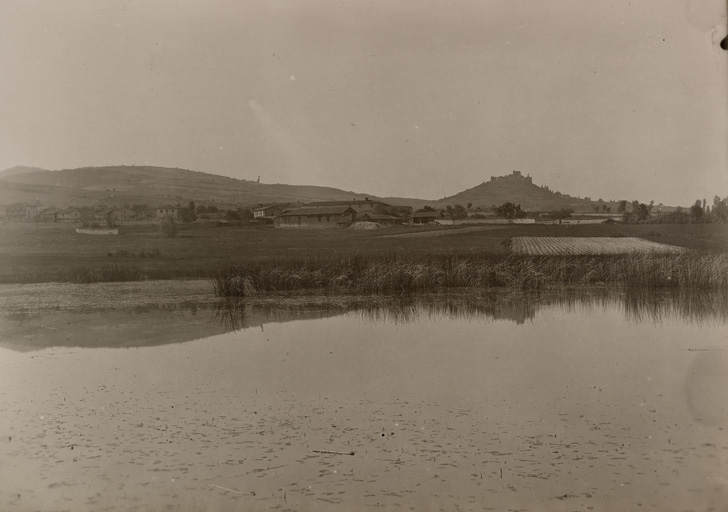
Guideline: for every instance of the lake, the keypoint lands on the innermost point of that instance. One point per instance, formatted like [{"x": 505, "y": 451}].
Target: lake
[{"x": 153, "y": 396}]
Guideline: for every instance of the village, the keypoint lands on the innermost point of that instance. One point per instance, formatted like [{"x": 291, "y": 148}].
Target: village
[
  {"x": 508, "y": 193},
  {"x": 366, "y": 213}
]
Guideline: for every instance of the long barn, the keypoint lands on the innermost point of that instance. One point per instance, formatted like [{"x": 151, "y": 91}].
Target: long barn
[{"x": 317, "y": 218}]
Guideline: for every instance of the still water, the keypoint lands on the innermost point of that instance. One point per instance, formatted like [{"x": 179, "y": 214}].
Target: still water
[{"x": 138, "y": 397}]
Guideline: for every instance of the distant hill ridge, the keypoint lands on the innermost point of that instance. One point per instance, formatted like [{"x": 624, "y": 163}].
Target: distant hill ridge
[
  {"x": 118, "y": 185},
  {"x": 19, "y": 169},
  {"x": 129, "y": 184},
  {"x": 516, "y": 188}
]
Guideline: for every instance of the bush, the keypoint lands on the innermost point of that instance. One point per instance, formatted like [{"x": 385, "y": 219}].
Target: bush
[{"x": 169, "y": 228}]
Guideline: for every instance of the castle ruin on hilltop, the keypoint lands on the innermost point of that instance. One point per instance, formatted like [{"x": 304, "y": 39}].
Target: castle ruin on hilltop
[{"x": 514, "y": 177}]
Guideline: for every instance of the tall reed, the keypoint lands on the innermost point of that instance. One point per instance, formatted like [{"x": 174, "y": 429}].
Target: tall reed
[{"x": 404, "y": 273}]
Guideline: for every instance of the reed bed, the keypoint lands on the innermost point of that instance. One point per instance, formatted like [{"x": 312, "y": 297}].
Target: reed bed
[{"x": 393, "y": 273}]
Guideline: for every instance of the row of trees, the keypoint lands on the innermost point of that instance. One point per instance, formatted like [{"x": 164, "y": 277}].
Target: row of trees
[
  {"x": 632, "y": 212},
  {"x": 699, "y": 212},
  {"x": 718, "y": 212},
  {"x": 192, "y": 213}
]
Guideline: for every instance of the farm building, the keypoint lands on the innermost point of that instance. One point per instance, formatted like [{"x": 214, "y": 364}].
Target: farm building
[
  {"x": 316, "y": 218},
  {"x": 426, "y": 217},
  {"x": 21, "y": 212},
  {"x": 169, "y": 211},
  {"x": 385, "y": 220},
  {"x": 265, "y": 213},
  {"x": 116, "y": 214},
  {"x": 68, "y": 215},
  {"x": 48, "y": 215},
  {"x": 358, "y": 205}
]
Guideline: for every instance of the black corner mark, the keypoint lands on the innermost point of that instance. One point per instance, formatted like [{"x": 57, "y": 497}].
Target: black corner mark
[{"x": 724, "y": 43}]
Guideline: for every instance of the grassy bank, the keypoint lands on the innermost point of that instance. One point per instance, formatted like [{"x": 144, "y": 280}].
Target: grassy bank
[
  {"x": 397, "y": 273},
  {"x": 55, "y": 253}
]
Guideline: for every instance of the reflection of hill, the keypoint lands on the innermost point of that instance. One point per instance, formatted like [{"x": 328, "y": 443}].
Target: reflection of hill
[
  {"x": 158, "y": 324},
  {"x": 138, "y": 326},
  {"x": 515, "y": 306}
]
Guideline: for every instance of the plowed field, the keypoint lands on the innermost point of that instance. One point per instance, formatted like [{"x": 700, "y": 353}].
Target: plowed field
[{"x": 549, "y": 245}]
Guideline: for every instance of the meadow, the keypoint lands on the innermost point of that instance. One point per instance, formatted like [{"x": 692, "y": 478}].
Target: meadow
[{"x": 33, "y": 253}]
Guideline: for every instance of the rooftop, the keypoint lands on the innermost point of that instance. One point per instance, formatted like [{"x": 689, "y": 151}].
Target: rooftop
[{"x": 332, "y": 210}]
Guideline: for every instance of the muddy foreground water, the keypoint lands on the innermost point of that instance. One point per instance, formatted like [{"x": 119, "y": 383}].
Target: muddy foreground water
[{"x": 568, "y": 405}]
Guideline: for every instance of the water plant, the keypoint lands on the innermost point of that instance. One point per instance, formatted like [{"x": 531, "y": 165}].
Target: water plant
[{"x": 405, "y": 273}]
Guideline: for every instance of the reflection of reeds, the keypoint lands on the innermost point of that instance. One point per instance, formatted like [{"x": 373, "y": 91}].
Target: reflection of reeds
[
  {"x": 638, "y": 304},
  {"x": 689, "y": 305},
  {"x": 232, "y": 315},
  {"x": 403, "y": 274}
]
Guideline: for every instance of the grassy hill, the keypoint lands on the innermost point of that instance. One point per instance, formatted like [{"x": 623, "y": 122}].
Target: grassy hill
[
  {"x": 120, "y": 185},
  {"x": 19, "y": 169},
  {"x": 516, "y": 189}
]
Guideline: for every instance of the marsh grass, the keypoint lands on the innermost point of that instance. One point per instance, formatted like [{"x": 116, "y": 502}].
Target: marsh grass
[{"x": 396, "y": 273}]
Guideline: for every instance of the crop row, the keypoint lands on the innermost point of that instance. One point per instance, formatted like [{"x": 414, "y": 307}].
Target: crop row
[{"x": 547, "y": 246}]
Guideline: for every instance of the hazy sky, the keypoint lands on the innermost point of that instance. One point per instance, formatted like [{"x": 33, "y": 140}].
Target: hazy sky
[{"x": 417, "y": 98}]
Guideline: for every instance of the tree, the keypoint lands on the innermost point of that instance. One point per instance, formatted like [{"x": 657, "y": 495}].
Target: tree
[
  {"x": 622, "y": 206},
  {"x": 676, "y": 217},
  {"x": 459, "y": 212},
  {"x": 232, "y": 215},
  {"x": 169, "y": 228},
  {"x": 563, "y": 213},
  {"x": 206, "y": 209},
  {"x": 470, "y": 205},
  {"x": 509, "y": 210},
  {"x": 245, "y": 213},
  {"x": 141, "y": 210},
  {"x": 189, "y": 214},
  {"x": 642, "y": 211},
  {"x": 720, "y": 209},
  {"x": 696, "y": 211}
]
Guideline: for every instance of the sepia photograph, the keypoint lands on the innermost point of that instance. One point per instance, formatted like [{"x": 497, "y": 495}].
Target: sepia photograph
[{"x": 341, "y": 255}]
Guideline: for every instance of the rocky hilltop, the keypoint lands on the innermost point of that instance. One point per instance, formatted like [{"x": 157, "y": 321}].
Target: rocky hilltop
[{"x": 516, "y": 188}]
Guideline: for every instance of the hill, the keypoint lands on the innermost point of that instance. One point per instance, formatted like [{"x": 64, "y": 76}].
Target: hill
[
  {"x": 153, "y": 186},
  {"x": 515, "y": 188},
  {"x": 118, "y": 185},
  {"x": 19, "y": 169}
]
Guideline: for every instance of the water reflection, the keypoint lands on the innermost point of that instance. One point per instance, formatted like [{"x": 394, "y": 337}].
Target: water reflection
[
  {"x": 163, "y": 323},
  {"x": 637, "y": 305},
  {"x": 694, "y": 306}
]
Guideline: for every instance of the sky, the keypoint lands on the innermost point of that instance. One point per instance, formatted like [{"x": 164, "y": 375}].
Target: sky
[{"x": 414, "y": 98}]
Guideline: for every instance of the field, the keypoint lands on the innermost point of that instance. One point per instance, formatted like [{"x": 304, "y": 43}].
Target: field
[
  {"x": 47, "y": 253},
  {"x": 551, "y": 245}
]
